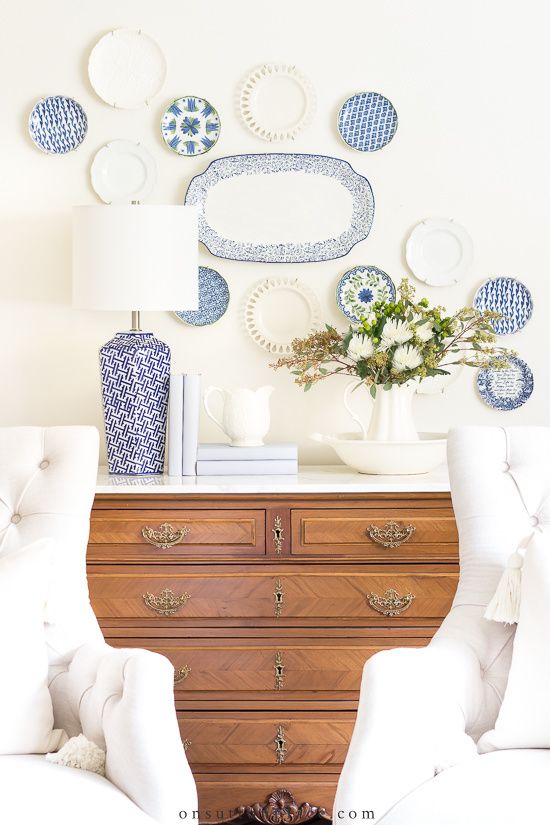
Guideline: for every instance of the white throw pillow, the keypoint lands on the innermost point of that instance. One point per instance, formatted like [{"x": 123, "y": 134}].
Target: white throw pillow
[
  {"x": 524, "y": 717},
  {"x": 26, "y": 713}
]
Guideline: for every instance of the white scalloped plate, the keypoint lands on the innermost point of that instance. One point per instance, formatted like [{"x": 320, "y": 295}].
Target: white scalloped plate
[
  {"x": 278, "y": 310},
  {"x": 439, "y": 251},
  {"x": 277, "y": 101},
  {"x": 126, "y": 68},
  {"x": 123, "y": 171}
]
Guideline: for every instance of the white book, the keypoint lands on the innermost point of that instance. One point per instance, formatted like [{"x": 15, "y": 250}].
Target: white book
[
  {"x": 225, "y": 452},
  {"x": 247, "y": 468},
  {"x": 175, "y": 424},
  {"x": 191, "y": 420}
]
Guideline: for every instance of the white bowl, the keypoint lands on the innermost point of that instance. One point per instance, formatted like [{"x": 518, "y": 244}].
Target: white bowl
[{"x": 388, "y": 457}]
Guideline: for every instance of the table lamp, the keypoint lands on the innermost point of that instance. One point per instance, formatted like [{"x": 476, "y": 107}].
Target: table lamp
[{"x": 135, "y": 257}]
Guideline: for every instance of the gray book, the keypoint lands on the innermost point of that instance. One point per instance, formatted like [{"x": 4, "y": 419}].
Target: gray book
[
  {"x": 225, "y": 452},
  {"x": 191, "y": 420},
  {"x": 175, "y": 424},
  {"x": 247, "y": 468}
]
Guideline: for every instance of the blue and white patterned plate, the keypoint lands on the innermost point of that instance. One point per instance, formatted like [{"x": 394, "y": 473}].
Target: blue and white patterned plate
[
  {"x": 361, "y": 287},
  {"x": 213, "y": 299},
  {"x": 190, "y": 126},
  {"x": 506, "y": 389},
  {"x": 509, "y": 297},
  {"x": 367, "y": 121},
  {"x": 58, "y": 124}
]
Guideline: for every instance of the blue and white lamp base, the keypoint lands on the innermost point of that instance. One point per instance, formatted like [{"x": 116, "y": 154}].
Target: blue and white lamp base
[{"x": 135, "y": 375}]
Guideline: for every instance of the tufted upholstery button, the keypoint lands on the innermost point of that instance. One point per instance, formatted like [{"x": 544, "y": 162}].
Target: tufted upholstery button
[
  {"x": 16, "y": 518},
  {"x": 44, "y": 464},
  {"x": 505, "y": 467},
  {"x": 534, "y": 521}
]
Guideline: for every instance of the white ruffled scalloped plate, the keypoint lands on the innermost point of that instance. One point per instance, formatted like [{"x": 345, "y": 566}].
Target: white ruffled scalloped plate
[
  {"x": 278, "y": 310},
  {"x": 277, "y": 101}
]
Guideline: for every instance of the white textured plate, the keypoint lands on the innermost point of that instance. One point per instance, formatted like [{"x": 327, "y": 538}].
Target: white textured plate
[
  {"x": 126, "y": 68},
  {"x": 439, "y": 251},
  {"x": 279, "y": 310},
  {"x": 277, "y": 101},
  {"x": 123, "y": 171}
]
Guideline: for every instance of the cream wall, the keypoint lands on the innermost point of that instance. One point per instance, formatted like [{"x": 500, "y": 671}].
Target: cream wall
[{"x": 469, "y": 81}]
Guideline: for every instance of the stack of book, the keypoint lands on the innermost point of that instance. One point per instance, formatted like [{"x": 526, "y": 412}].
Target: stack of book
[
  {"x": 183, "y": 423},
  {"x": 268, "y": 460}
]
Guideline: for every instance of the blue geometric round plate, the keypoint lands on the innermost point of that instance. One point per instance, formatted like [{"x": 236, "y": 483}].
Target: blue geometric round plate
[
  {"x": 361, "y": 287},
  {"x": 213, "y": 299},
  {"x": 190, "y": 126},
  {"x": 506, "y": 389},
  {"x": 509, "y": 297},
  {"x": 58, "y": 124},
  {"x": 367, "y": 121}
]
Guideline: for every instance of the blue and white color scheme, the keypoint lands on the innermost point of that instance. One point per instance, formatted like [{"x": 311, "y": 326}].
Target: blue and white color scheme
[
  {"x": 361, "y": 287},
  {"x": 367, "y": 121},
  {"x": 190, "y": 126},
  {"x": 213, "y": 299},
  {"x": 506, "y": 389},
  {"x": 135, "y": 373},
  {"x": 58, "y": 124},
  {"x": 509, "y": 297},
  {"x": 221, "y": 169}
]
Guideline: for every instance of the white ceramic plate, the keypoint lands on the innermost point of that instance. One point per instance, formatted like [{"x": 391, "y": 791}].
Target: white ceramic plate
[
  {"x": 279, "y": 310},
  {"x": 276, "y": 101},
  {"x": 439, "y": 252},
  {"x": 439, "y": 383},
  {"x": 126, "y": 68},
  {"x": 123, "y": 171}
]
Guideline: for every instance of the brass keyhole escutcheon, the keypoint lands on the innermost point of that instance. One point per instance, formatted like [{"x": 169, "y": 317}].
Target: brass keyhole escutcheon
[
  {"x": 280, "y": 745},
  {"x": 279, "y": 595},
  {"x": 279, "y": 671},
  {"x": 278, "y": 533}
]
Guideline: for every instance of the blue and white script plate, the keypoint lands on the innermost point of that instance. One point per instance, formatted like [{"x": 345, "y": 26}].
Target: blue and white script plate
[
  {"x": 361, "y": 287},
  {"x": 509, "y": 297},
  {"x": 367, "y": 121},
  {"x": 506, "y": 389},
  {"x": 213, "y": 299},
  {"x": 190, "y": 126},
  {"x": 58, "y": 124}
]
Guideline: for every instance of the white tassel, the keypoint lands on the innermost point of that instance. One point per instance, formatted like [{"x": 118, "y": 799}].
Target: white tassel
[{"x": 505, "y": 604}]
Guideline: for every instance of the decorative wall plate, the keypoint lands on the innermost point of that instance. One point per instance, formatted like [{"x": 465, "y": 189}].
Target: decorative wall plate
[
  {"x": 509, "y": 297},
  {"x": 506, "y": 389},
  {"x": 281, "y": 208},
  {"x": 367, "y": 121},
  {"x": 126, "y": 68},
  {"x": 213, "y": 299},
  {"x": 190, "y": 126},
  {"x": 361, "y": 287},
  {"x": 279, "y": 310},
  {"x": 58, "y": 124},
  {"x": 123, "y": 171},
  {"x": 439, "y": 251},
  {"x": 276, "y": 101}
]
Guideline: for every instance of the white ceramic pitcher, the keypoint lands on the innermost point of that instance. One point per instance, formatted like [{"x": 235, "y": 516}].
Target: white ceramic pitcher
[{"x": 245, "y": 415}]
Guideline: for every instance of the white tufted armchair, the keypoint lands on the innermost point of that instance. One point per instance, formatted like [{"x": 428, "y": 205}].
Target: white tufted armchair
[
  {"x": 120, "y": 699},
  {"x": 413, "y": 758}
]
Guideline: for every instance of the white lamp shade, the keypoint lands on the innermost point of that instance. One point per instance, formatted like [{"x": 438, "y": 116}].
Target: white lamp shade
[{"x": 134, "y": 257}]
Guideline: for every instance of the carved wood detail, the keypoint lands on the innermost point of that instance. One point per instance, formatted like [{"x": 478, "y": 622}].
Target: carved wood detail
[{"x": 281, "y": 808}]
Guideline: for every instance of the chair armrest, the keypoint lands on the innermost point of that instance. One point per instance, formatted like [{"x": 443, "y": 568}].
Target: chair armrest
[
  {"x": 123, "y": 700},
  {"x": 414, "y": 708}
]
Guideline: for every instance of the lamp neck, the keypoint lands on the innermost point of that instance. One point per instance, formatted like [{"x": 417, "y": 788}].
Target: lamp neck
[{"x": 136, "y": 324}]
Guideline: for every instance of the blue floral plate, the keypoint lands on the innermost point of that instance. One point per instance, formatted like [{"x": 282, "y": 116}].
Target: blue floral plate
[
  {"x": 213, "y": 299},
  {"x": 509, "y": 297},
  {"x": 190, "y": 126},
  {"x": 361, "y": 287},
  {"x": 506, "y": 389},
  {"x": 58, "y": 124},
  {"x": 367, "y": 121}
]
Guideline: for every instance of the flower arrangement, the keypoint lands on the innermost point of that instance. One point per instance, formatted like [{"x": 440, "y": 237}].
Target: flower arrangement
[{"x": 398, "y": 341}]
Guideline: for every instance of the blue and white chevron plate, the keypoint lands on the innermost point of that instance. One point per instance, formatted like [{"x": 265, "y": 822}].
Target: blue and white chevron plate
[
  {"x": 509, "y": 297},
  {"x": 58, "y": 124},
  {"x": 213, "y": 299},
  {"x": 361, "y": 287},
  {"x": 190, "y": 126},
  {"x": 367, "y": 121},
  {"x": 508, "y": 388}
]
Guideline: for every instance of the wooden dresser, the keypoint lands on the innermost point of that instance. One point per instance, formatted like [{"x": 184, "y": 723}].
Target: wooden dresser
[{"x": 268, "y": 595}]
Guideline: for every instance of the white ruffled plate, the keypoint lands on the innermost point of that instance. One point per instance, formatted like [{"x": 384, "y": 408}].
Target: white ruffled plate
[
  {"x": 439, "y": 252},
  {"x": 279, "y": 310},
  {"x": 123, "y": 171},
  {"x": 277, "y": 101},
  {"x": 126, "y": 68}
]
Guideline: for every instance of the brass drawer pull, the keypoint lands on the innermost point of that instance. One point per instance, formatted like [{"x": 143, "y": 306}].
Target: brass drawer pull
[
  {"x": 278, "y": 534},
  {"x": 279, "y": 671},
  {"x": 166, "y": 536},
  {"x": 181, "y": 674},
  {"x": 280, "y": 745},
  {"x": 279, "y": 594},
  {"x": 391, "y": 534},
  {"x": 166, "y": 603},
  {"x": 391, "y": 603}
]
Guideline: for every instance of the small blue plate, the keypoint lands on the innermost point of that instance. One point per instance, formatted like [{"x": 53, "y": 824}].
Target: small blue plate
[
  {"x": 367, "y": 121},
  {"x": 509, "y": 297},
  {"x": 361, "y": 287},
  {"x": 213, "y": 299},
  {"x": 190, "y": 126},
  {"x": 58, "y": 124},
  {"x": 506, "y": 389}
]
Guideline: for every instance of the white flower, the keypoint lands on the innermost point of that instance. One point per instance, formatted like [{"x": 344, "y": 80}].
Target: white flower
[
  {"x": 406, "y": 358},
  {"x": 423, "y": 332},
  {"x": 359, "y": 347},
  {"x": 395, "y": 332}
]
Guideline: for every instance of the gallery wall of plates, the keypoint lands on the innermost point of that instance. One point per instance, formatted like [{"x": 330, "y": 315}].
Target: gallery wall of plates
[{"x": 321, "y": 178}]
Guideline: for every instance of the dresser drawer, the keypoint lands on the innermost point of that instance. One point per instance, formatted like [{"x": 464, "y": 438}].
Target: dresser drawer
[
  {"x": 307, "y": 739},
  {"x": 394, "y": 534},
  {"x": 158, "y": 534},
  {"x": 280, "y": 594}
]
